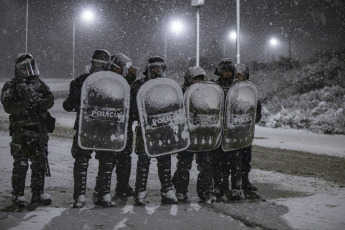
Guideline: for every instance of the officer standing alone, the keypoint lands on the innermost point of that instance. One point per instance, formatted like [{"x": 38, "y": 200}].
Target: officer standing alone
[{"x": 27, "y": 99}]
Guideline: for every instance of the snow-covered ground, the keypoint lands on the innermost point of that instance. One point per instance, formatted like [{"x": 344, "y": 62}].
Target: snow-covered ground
[
  {"x": 302, "y": 140},
  {"x": 316, "y": 204}
]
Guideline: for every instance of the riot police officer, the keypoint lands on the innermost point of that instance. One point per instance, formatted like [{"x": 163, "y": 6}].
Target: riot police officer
[
  {"x": 185, "y": 158},
  {"x": 155, "y": 68},
  {"x": 122, "y": 65},
  {"x": 242, "y": 73},
  {"x": 226, "y": 161},
  {"x": 27, "y": 98},
  {"x": 100, "y": 62}
]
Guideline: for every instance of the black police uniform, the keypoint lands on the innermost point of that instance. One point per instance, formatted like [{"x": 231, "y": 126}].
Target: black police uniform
[
  {"x": 27, "y": 99},
  {"x": 181, "y": 176},
  {"x": 82, "y": 156}
]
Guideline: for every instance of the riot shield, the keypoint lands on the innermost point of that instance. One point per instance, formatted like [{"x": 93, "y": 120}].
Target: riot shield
[
  {"x": 162, "y": 117},
  {"x": 204, "y": 109},
  {"x": 104, "y": 112},
  {"x": 240, "y": 111}
]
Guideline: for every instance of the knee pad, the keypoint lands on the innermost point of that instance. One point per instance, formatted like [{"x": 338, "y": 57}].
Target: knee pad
[{"x": 20, "y": 167}]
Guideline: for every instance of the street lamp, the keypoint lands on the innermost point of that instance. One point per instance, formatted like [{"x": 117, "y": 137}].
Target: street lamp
[
  {"x": 86, "y": 16},
  {"x": 232, "y": 37},
  {"x": 197, "y": 4},
  {"x": 176, "y": 27},
  {"x": 273, "y": 42}
]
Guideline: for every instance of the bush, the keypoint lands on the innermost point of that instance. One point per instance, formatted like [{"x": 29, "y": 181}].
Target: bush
[
  {"x": 320, "y": 111},
  {"x": 312, "y": 97}
]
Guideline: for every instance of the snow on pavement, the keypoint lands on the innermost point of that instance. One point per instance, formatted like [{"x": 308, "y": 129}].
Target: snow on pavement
[
  {"x": 318, "y": 204},
  {"x": 300, "y": 140}
]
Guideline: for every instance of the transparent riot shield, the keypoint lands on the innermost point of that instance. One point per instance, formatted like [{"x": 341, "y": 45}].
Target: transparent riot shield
[
  {"x": 104, "y": 112},
  {"x": 204, "y": 109},
  {"x": 240, "y": 111},
  {"x": 162, "y": 117}
]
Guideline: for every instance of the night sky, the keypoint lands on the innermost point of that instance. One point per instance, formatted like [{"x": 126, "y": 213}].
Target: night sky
[{"x": 137, "y": 28}]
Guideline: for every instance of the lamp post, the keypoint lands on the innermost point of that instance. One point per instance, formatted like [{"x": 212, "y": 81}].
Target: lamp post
[
  {"x": 175, "y": 26},
  {"x": 197, "y": 4},
  {"x": 26, "y": 26},
  {"x": 238, "y": 33},
  {"x": 87, "y": 16},
  {"x": 273, "y": 42}
]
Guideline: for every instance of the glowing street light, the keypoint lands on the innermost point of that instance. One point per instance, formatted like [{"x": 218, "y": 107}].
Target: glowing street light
[
  {"x": 273, "y": 42},
  {"x": 232, "y": 35},
  {"x": 176, "y": 27},
  {"x": 87, "y": 16}
]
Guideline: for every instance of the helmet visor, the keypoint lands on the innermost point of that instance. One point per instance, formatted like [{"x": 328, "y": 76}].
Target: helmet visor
[
  {"x": 156, "y": 70},
  {"x": 27, "y": 68}
]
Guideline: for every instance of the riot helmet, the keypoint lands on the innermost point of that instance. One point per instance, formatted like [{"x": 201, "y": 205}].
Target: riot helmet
[
  {"x": 225, "y": 66},
  {"x": 241, "y": 70},
  {"x": 155, "y": 68},
  {"x": 195, "y": 74},
  {"x": 100, "y": 61},
  {"x": 26, "y": 65},
  {"x": 121, "y": 61}
]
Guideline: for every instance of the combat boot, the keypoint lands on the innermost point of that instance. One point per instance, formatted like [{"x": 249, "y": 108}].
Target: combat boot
[
  {"x": 124, "y": 192},
  {"x": 246, "y": 185},
  {"x": 168, "y": 197},
  {"x": 219, "y": 194},
  {"x": 182, "y": 198},
  {"x": 19, "y": 201},
  {"x": 227, "y": 194},
  {"x": 43, "y": 199},
  {"x": 140, "y": 197},
  {"x": 208, "y": 199},
  {"x": 106, "y": 201},
  {"x": 79, "y": 202},
  {"x": 235, "y": 194}
]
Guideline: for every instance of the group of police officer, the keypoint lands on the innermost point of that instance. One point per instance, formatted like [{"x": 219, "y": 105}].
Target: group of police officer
[{"x": 27, "y": 99}]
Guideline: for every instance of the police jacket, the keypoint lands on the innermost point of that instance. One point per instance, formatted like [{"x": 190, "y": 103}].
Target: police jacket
[
  {"x": 27, "y": 99},
  {"x": 134, "y": 92},
  {"x": 72, "y": 102},
  {"x": 225, "y": 84}
]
